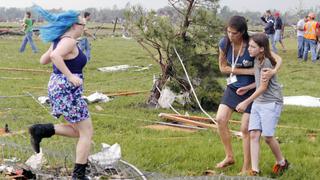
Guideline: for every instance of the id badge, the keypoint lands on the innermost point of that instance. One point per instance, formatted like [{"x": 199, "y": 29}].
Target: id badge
[{"x": 231, "y": 79}]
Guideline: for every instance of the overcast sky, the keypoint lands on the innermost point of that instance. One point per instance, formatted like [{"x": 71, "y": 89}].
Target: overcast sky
[{"x": 239, "y": 5}]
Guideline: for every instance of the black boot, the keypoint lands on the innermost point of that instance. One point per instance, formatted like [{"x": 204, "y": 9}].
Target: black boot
[
  {"x": 39, "y": 131},
  {"x": 79, "y": 172}
]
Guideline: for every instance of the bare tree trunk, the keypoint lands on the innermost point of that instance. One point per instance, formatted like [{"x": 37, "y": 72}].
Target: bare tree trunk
[{"x": 186, "y": 22}]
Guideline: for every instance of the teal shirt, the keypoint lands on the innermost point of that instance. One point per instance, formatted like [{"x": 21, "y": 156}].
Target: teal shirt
[{"x": 28, "y": 23}]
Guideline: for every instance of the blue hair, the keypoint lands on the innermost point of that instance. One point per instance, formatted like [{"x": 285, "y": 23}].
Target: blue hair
[{"x": 57, "y": 25}]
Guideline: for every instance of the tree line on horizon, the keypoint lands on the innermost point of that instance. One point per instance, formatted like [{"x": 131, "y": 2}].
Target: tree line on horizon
[{"x": 107, "y": 15}]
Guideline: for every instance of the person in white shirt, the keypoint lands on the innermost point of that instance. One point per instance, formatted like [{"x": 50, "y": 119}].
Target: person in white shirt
[{"x": 300, "y": 33}]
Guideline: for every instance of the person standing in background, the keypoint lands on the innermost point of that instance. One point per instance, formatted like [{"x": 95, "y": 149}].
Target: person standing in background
[
  {"x": 84, "y": 43},
  {"x": 300, "y": 33},
  {"x": 268, "y": 19},
  {"x": 279, "y": 30},
  {"x": 27, "y": 28},
  {"x": 311, "y": 29}
]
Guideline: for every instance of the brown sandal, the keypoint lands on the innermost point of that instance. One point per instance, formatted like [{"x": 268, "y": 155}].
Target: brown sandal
[{"x": 224, "y": 164}]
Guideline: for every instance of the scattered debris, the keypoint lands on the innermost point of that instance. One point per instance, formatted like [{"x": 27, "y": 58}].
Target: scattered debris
[
  {"x": 171, "y": 128},
  {"x": 312, "y": 137},
  {"x": 127, "y": 93},
  {"x": 116, "y": 68},
  {"x": 143, "y": 68},
  {"x": 187, "y": 121},
  {"x": 43, "y": 99},
  {"x": 167, "y": 97},
  {"x": 6, "y": 128},
  {"x": 12, "y": 160},
  {"x": 13, "y": 172},
  {"x": 307, "y": 101},
  {"x": 98, "y": 108},
  {"x": 3, "y": 132},
  {"x": 97, "y": 97},
  {"x": 181, "y": 126},
  {"x": 209, "y": 172},
  {"x": 36, "y": 161},
  {"x": 194, "y": 121},
  {"x": 125, "y": 37},
  {"x": 10, "y": 32},
  {"x": 108, "y": 156},
  {"x": 123, "y": 68}
]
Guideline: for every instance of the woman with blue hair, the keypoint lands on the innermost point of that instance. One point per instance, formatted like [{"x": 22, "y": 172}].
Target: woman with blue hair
[{"x": 65, "y": 86}]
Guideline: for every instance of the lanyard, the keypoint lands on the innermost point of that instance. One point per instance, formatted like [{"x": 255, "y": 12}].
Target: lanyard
[{"x": 234, "y": 61}]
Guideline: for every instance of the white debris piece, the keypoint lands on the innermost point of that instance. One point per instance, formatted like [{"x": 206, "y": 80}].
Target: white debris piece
[
  {"x": 183, "y": 98},
  {"x": 12, "y": 160},
  {"x": 307, "y": 101},
  {"x": 36, "y": 161},
  {"x": 166, "y": 98},
  {"x": 97, "y": 97},
  {"x": 116, "y": 68},
  {"x": 108, "y": 155},
  {"x": 143, "y": 68},
  {"x": 7, "y": 169},
  {"x": 43, "y": 100},
  {"x": 125, "y": 37},
  {"x": 124, "y": 68}
]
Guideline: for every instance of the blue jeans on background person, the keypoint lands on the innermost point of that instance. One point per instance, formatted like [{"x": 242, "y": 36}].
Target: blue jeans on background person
[
  {"x": 85, "y": 47},
  {"x": 28, "y": 38},
  {"x": 300, "y": 46},
  {"x": 318, "y": 51},
  {"x": 273, "y": 42},
  {"x": 312, "y": 46}
]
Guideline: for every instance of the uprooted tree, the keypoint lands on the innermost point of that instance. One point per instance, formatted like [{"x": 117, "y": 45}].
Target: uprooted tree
[{"x": 194, "y": 35}]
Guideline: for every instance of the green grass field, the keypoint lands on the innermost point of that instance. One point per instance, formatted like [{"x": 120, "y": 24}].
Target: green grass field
[{"x": 123, "y": 119}]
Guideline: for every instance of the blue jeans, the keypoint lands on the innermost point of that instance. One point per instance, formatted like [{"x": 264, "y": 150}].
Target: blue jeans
[
  {"x": 300, "y": 46},
  {"x": 28, "y": 38},
  {"x": 85, "y": 47},
  {"x": 312, "y": 46},
  {"x": 318, "y": 50},
  {"x": 273, "y": 42}
]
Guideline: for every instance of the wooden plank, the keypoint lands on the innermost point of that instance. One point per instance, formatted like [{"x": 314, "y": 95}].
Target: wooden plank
[
  {"x": 195, "y": 123},
  {"x": 12, "y": 133},
  {"x": 204, "y": 119},
  {"x": 126, "y": 93},
  {"x": 187, "y": 121}
]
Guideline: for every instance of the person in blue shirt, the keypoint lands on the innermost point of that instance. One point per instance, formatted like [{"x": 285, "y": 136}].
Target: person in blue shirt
[
  {"x": 84, "y": 43},
  {"x": 279, "y": 31},
  {"x": 236, "y": 62},
  {"x": 269, "y": 21}
]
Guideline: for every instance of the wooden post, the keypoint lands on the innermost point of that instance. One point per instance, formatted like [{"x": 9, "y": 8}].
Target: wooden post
[{"x": 115, "y": 25}]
